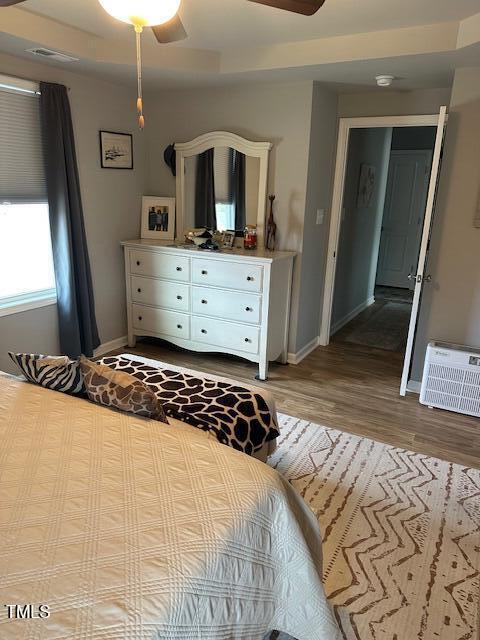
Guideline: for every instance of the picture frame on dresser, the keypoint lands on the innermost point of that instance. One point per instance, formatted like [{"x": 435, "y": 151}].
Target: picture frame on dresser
[
  {"x": 158, "y": 218},
  {"x": 228, "y": 239}
]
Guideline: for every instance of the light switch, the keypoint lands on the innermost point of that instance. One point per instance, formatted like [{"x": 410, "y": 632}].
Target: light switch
[{"x": 320, "y": 216}]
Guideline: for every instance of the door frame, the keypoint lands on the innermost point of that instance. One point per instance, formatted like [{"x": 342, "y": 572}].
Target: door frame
[{"x": 345, "y": 126}]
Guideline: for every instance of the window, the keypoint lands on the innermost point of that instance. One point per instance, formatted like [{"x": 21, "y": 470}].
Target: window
[
  {"x": 225, "y": 212},
  {"x": 26, "y": 265}
]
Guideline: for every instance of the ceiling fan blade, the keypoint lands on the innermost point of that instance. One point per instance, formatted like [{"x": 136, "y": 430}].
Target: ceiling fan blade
[
  {"x": 9, "y": 3},
  {"x": 305, "y": 7},
  {"x": 171, "y": 31}
]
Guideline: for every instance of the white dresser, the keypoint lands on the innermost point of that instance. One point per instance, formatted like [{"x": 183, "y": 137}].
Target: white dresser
[{"x": 235, "y": 301}]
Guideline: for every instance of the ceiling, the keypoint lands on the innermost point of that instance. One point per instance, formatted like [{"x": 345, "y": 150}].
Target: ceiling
[
  {"x": 221, "y": 24},
  {"x": 346, "y": 43}
]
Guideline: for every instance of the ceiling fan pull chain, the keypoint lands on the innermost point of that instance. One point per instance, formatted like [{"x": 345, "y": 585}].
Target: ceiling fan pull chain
[{"x": 141, "y": 119}]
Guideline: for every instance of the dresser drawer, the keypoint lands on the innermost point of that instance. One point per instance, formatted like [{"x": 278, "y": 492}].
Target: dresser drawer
[
  {"x": 225, "y": 334},
  {"x": 160, "y": 265},
  {"x": 243, "y": 307},
  {"x": 168, "y": 323},
  {"x": 231, "y": 275},
  {"x": 160, "y": 293}
]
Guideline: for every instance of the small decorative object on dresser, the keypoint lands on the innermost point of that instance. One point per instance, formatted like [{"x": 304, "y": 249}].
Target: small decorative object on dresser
[
  {"x": 116, "y": 150},
  {"x": 234, "y": 302},
  {"x": 250, "y": 237},
  {"x": 158, "y": 218},
  {"x": 228, "y": 239},
  {"x": 271, "y": 232}
]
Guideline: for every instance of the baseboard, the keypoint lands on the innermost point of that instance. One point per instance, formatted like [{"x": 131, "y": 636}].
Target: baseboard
[
  {"x": 296, "y": 358},
  {"x": 353, "y": 314},
  {"x": 106, "y": 347}
]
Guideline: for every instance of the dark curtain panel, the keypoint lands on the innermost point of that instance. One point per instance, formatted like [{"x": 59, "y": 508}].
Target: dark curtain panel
[
  {"x": 238, "y": 189},
  {"x": 205, "y": 215},
  {"x": 76, "y": 308}
]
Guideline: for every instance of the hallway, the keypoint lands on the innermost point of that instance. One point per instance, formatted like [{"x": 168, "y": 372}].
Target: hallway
[{"x": 384, "y": 324}]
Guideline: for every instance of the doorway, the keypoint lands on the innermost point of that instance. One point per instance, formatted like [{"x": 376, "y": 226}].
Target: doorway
[{"x": 385, "y": 185}]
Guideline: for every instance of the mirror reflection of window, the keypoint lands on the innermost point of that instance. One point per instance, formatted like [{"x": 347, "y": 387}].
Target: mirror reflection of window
[
  {"x": 224, "y": 205},
  {"x": 220, "y": 189}
]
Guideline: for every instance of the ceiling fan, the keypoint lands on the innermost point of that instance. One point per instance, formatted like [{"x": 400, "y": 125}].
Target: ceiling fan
[{"x": 162, "y": 16}]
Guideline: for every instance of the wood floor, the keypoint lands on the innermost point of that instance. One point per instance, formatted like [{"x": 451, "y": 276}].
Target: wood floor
[{"x": 347, "y": 387}]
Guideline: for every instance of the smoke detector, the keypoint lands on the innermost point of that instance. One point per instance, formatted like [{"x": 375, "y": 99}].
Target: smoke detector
[
  {"x": 52, "y": 55},
  {"x": 384, "y": 80}
]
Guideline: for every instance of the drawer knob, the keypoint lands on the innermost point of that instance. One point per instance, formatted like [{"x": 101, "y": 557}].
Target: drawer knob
[
  {"x": 248, "y": 309},
  {"x": 179, "y": 326},
  {"x": 247, "y": 340},
  {"x": 204, "y": 331},
  {"x": 204, "y": 273},
  {"x": 249, "y": 278},
  {"x": 138, "y": 263},
  {"x": 179, "y": 297},
  {"x": 139, "y": 290},
  {"x": 140, "y": 318},
  {"x": 179, "y": 268},
  {"x": 204, "y": 302}
]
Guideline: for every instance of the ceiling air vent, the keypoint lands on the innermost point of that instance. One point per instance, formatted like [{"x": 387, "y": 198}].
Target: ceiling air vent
[{"x": 52, "y": 55}]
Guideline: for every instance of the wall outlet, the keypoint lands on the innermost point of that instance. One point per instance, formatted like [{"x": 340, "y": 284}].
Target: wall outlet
[{"x": 320, "y": 216}]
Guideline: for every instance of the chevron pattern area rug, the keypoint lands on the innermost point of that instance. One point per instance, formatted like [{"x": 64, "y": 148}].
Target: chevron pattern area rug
[{"x": 401, "y": 533}]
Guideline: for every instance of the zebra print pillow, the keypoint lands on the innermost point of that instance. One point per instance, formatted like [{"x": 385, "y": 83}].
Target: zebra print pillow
[{"x": 58, "y": 373}]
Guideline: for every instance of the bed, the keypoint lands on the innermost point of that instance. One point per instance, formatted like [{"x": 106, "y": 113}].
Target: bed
[{"x": 129, "y": 528}]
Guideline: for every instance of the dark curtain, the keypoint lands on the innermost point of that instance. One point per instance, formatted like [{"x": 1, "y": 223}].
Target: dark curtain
[
  {"x": 76, "y": 307},
  {"x": 205, "y": 215},
  {"x": 237, "y": 189}
]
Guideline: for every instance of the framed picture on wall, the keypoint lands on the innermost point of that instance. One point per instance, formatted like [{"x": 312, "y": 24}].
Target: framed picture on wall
[
  {"x": 116, "y": 150},
  {"x": 158, "y": 218},
  {"x": 366, "y": 186}
]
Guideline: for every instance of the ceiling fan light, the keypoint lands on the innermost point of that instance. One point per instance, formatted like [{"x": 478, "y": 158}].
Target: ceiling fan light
[{"x": 142, "y": 13}]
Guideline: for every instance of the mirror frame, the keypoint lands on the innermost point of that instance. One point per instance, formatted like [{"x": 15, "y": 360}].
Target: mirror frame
[{"x": 213, "y": 139}]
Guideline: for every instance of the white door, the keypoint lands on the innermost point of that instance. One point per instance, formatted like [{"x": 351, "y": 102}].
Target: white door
[
  {"x": 405, "y": 200},
  {"x": 419, "y": 276}
]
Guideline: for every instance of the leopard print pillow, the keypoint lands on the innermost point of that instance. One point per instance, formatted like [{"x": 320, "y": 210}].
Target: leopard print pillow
[{"x": 120, "y": 390}]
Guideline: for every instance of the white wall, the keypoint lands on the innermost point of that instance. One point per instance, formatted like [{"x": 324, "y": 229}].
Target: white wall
[
  {"x": 111, "y": 201},
  {"x": 323, "y": 140},
  {"x": 361, "y": 226},
  {"x": 451, "y": 303},
  {"x": 279, "y": 113},
  {"x": 381, "y": 102}
]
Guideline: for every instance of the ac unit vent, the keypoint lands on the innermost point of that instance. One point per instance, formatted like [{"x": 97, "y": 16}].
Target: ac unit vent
[
  {"x": 52, "y": 55},
  {"x": 451, "y": 379}
]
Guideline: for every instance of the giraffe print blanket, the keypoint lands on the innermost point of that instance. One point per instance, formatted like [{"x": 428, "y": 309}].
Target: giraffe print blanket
[{"x": 238, "y": 417}]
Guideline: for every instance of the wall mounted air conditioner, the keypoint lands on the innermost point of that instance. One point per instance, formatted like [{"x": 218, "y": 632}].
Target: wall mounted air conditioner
[{"x": 451, "y": 378}]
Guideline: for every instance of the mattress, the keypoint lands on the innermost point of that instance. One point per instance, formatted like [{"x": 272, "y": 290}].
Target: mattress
[{"x": 122, "y": 527}]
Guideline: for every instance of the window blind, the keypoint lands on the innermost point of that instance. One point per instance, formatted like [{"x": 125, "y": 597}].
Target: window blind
[
  {"x": 22, "y": 174},
  {"x": 222, "y": 167}
]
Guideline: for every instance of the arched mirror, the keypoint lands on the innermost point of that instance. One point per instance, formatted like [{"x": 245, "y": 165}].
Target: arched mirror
[{"x": 221, "y": 183}]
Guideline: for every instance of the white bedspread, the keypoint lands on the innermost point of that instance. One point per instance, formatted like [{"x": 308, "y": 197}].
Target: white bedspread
[{"x": 128, "y": 528}]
